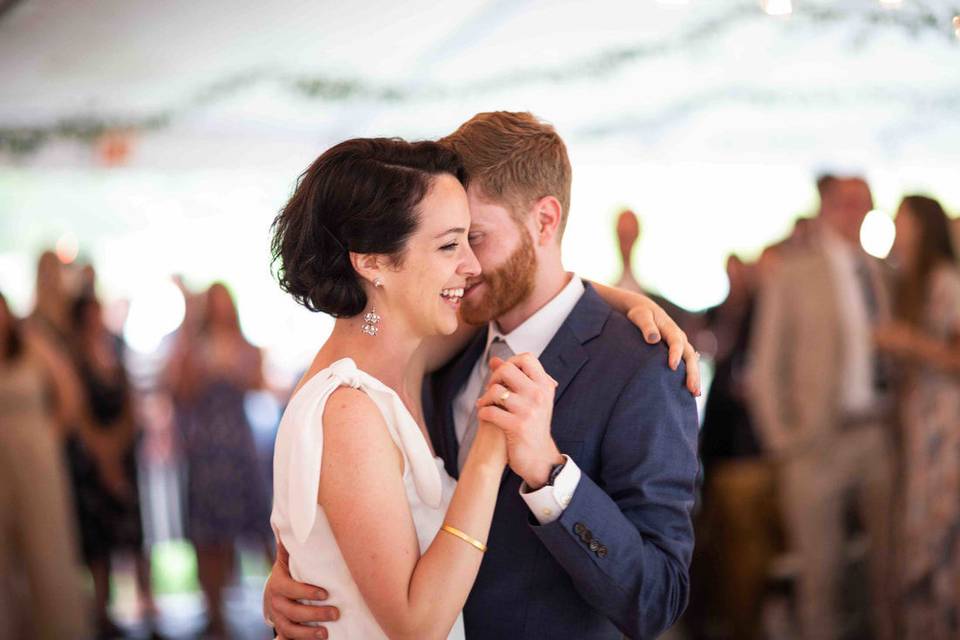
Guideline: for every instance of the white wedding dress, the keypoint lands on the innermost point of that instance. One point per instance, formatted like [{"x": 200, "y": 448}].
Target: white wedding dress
[{"x": 301, "y": 523}]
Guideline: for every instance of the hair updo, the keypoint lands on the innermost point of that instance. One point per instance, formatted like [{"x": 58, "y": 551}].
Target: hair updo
[{"x": 361, "y": 196}]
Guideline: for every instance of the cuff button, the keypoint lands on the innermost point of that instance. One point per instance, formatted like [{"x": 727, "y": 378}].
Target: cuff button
[{"x": 579, "y": 528}]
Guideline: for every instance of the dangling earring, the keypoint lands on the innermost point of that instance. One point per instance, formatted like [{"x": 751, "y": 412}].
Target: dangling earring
[{"x": 371, "y": 320}]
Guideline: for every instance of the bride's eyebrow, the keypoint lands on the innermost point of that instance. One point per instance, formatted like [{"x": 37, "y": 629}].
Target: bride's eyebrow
[{"x": 457, "y": 230}]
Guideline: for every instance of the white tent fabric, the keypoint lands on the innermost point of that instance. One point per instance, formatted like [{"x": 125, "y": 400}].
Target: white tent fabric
[
  {"x": 854, "y": 81},
  {"x": 708, "y": 117}
]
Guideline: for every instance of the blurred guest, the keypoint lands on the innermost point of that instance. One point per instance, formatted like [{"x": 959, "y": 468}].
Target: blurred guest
[
  {"x": 924, "y": 337},
  {"x": 737, "y": 529},
  {"x": 209, "y": 374},
  {"x": 628, "y": 232},
  {"x": 51, "y": 313},
  {"x": 801, "y": 238},
  {"x": 726, "y": 320},
  {"x": 104, "y": 461},
  {"x": 955, "y": 230},
  {"x": 817, "y": 389},
  {"x": 87, "y": 281},
  {"x": 40, "y": 590}
]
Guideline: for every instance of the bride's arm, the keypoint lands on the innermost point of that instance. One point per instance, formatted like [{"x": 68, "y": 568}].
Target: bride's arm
[
  {"x": 654, "y": 322},
  {"x": 362, "y": 494}
]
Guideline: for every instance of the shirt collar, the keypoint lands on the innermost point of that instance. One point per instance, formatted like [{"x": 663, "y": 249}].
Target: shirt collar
[{"x": 536, "y": 332}]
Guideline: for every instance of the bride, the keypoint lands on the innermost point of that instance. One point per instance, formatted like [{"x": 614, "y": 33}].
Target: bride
[{"x": 375, "y": 234}]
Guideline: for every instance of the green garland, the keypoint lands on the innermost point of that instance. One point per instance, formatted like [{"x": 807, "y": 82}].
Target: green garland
[{"x": 917, "y": 21}]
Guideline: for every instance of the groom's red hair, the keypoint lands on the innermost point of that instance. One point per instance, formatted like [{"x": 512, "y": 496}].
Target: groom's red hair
[{"x": 515, "y": 159}]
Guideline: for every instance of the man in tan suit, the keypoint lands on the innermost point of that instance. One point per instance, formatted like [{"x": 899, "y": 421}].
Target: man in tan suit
[{"x": 817, "y": 391}]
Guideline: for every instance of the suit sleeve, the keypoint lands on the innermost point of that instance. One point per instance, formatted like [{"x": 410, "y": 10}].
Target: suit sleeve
[{"x": 626, "y": 537}]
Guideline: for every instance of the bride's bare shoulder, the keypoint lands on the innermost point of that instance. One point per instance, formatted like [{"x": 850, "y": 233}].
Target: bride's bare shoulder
[
  {"x": 347, "y": 406},
  {"x": 355, "y": 434}
]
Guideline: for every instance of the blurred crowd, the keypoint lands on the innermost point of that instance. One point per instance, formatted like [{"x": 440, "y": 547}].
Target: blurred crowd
[
  {"x": 78, "y": 432},
  {"x": 830, "y": 504}
]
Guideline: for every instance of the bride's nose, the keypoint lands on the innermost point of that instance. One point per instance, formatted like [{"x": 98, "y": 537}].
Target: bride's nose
[{"x": 469, "y": 266}]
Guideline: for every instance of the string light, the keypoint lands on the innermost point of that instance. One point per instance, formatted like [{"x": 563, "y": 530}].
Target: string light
[
  {"x": 956, "y": 25},
  {"x": 777, "y": 7},
  {"x": 67, "y": 248},
  {"x": 877, "y": 234}
]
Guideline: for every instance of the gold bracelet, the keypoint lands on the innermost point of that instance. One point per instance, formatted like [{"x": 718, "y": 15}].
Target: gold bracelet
[{"x": 460, "y": 534}]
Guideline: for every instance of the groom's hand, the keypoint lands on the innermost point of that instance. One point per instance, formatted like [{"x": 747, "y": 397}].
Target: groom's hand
[
  {"x": 282, "y": 609},
  {"x": 519, "y": 400}
]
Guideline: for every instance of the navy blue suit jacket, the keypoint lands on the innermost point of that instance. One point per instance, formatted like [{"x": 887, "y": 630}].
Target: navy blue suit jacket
[{"x": 631, "y": 426}]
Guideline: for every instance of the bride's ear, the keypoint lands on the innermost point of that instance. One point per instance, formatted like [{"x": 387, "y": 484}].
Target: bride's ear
[{"x": 369, "y": 266}]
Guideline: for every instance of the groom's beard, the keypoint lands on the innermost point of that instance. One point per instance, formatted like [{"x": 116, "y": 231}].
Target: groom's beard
[{"x": 505, "y": 286}]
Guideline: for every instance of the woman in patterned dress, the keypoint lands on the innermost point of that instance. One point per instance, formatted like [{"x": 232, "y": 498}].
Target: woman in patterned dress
[
  {"x": 925, "y": 341},
  {"x": 212, "y": 368}
]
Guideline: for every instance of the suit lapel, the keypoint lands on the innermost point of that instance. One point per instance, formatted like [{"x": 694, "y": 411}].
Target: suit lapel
[
  {"x": 565, "y": 355},
  {"x": 563, "y": 358}
]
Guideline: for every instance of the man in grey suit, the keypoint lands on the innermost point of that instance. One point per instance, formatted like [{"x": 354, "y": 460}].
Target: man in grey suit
[{"x": 818, "y": 392}]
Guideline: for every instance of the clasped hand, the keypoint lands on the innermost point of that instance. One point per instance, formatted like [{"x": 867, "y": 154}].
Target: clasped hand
[{"x": 519, "y": 401}]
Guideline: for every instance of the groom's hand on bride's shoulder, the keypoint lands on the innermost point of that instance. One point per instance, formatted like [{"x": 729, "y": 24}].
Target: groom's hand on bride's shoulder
[
  {"x": 519, "y": 400},
  {"x": 282, "y": 607}
]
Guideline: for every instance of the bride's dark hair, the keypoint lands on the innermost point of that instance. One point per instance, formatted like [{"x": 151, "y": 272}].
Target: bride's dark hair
[{"x": 360, "y": 195}]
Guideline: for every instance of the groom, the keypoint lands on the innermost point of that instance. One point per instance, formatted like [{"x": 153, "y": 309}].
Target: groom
[{"x": 591, "y": 536}]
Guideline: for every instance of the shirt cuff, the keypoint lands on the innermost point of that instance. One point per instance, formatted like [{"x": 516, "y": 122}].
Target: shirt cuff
[{"x": 548, "y": 503}]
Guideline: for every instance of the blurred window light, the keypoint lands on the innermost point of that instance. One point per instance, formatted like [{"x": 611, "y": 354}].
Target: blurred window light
[
  {"x": 156, "y": 310},
  {"x": 877, "y": 233},
  {"x": 67, "y": 248},
  {"x": 777, "y": 7}
]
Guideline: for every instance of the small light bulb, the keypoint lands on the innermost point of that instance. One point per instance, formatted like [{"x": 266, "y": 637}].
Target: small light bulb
[
  {"x": 67, "y": 248},
  {"x": 778, "y": 7}
]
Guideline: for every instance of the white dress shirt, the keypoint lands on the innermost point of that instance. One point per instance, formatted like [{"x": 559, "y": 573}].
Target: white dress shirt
[
  {"x": 532, "y": 336},
  {"x": 857, "y": 394}
]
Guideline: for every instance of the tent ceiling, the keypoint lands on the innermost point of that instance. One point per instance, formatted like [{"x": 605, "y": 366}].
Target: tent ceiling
[{"x": 708, "y": 80}]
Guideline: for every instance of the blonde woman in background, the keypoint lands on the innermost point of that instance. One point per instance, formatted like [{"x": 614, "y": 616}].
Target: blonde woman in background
[{"x": 40, "y": 594}]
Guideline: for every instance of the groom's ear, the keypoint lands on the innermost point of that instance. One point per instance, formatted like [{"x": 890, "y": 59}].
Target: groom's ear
[{"x": 547, "y": 215}]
